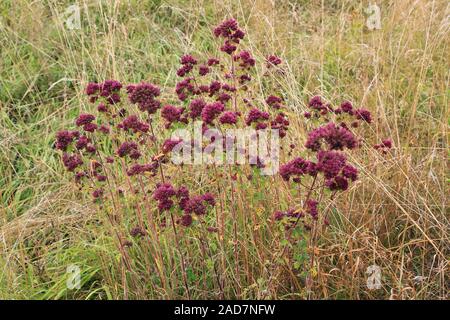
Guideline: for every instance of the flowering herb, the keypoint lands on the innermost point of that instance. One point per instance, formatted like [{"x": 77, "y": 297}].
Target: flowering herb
[{"x": 120, "y": 153}]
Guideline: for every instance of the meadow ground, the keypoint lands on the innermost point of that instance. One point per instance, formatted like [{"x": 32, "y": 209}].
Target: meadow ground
[{"x": 395, "y": 216}]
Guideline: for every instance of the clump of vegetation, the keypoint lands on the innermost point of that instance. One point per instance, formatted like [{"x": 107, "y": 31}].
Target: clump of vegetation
[
  {"x": 120, "y": 158},
  {"x": 359, "y": 114}
]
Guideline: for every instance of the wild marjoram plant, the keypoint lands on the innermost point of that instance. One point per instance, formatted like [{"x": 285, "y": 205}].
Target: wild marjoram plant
[{"x": 117, "y": 157}]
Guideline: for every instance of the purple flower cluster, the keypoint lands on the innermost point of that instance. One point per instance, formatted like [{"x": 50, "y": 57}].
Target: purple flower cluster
[
  {"x": 364, "y": 115},
  {"x": 255, "y": 116},
  {"x": 203, "y": 70},
  {"x": 296, "y": 168},
  {"x": 92, "y": 88},
  {"x": 227, "y": 87},
  {"x": 185, "y": 88},
  {"x": 281, "y": 123},
  {"x": 186, "y": 220},
  {"x": 169, "y": 144},
  {"x": 82, "y": 143},
  {"x": 229, "y": 117},
  {"x": 104, "y": 129},
  {"x": 187, "y": 64},
  {"x": 328, "y": 142},
  {"x": 330, "y": 163},
  {"x": 214, "y": 88},
  {"x": 274, "y": 102},
  {"x": 336, "y": 137},
  {"x": 65, "y": 138},
  {"x": 137, "y": 168},
  {"x": 350, "y": 172},
  {"x": 346, "y": 107},
  {"x": 137, "y": 232},
  {"x": 134, "y": 124},
  {"x": 335, "y": 169},
  {"x": 163, "y": 194},
  {"x": 290, "y": 213},
  {"x": 196, "y": 107},
  {"x": 166, "y": 195},
  {"x": 172, "y": 114},
  {"x": 320, "y": 108},
  {"x": 211, "y": 111},
  {"x": 229, "y": 30},
  {"x": 85, "y": 120},
  {"x": 387, "y": 143},
  {"x": 337, "y": 183},
  {"x": 311, "y": 208},
  {"x": 213, "y": 61},
  {"x": 110, "y": 90},
  {"x": 95, "y": 171},
  {"x": 245, "y": 59},
  {"x": 144, "y": 95},
  {"x": 316, "y": 103},
  {"x": 273, "y": 61},
  {"x": 384, "y": 146},
  {"x": 97, "y": 193},
  {"x": 224, "y": 97},
  {"x": 197, "y": 204},
  {"x": 183, "y": 196},
  {"x": 129, "y": 148},
  {"x": 71, "y": 161},
  {"x": 102, "y": 107}
]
